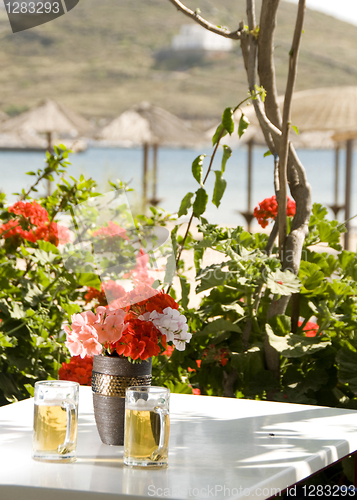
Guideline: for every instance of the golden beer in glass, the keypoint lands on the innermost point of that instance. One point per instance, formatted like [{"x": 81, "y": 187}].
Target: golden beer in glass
[
  {"x": 147, "y": 427},
  {"x": 55, "y": 421}
]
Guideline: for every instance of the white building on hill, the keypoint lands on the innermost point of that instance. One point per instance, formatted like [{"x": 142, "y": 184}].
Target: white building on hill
[{"x": 194, "y": 37}]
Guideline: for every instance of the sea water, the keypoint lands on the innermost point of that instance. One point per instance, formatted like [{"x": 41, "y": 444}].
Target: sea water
[{"x": 175, "y": 177}]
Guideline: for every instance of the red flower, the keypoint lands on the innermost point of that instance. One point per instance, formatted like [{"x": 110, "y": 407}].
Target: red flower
[
  {"x": 214, "y": 354},
  {"x": 109, "y": 292},
  {"x": 168, "y": 351},
  {"x": 196, "y": 392},
  {"x": 268, "y": 209},
  {"x": 35, "y": 219},
  {"x": 77, "y": 370},
  {"x": 310, "y": 328},
  {"x": 140, "y": 340},
  {"x": 110, "y": 231}
]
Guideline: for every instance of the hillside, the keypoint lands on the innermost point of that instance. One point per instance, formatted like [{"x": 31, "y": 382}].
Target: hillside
[{"x": 99, "y": 58}]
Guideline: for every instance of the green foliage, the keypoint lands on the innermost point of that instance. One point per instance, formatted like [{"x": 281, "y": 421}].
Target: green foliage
[
  {"x": 37, "y": 292},
  {"x": 232, "y": 325}
]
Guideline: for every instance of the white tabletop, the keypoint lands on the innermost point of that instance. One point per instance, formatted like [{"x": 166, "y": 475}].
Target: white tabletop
[{"x": 219, "y": 448}]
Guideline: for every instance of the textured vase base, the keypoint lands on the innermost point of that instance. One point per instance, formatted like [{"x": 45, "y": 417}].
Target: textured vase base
[
  {"x": 109, "y": 417},
  {"x": 112, "y": 376}
]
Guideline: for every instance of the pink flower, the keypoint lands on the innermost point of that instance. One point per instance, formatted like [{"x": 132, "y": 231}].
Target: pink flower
[
  {"x": 111, "y": 328},
  {"x": 91, "y": 347}
]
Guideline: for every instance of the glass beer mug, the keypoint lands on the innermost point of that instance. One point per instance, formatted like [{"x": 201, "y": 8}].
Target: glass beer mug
[
  {"x": 55, "y": 421},
  {"x": 147, "y": 426}
]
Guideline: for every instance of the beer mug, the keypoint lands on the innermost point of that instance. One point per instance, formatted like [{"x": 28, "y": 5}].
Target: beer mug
[
  {"x": 55, "y": 421},
  {"x": 147, "y": 426}
]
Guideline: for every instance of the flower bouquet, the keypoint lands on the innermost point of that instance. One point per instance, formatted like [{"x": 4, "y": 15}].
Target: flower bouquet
[{"x": 136, "y": 326}]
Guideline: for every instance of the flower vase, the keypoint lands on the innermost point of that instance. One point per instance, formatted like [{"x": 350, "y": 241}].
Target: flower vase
[{"x": 110, "y": 378}]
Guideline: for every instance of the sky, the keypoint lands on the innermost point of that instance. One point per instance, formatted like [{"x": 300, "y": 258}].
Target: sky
[{"x": 342, "y": 9}]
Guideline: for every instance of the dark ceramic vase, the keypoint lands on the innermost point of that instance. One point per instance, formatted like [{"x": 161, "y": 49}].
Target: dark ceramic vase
[{"x": 110, "y": 378}]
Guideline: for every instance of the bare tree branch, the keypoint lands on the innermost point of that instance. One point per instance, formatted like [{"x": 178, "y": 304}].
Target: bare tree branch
[
  {"x": 284, "y": 143},
  {"x": 266, "y": 66},
  {"x": 235, "y": 35}
]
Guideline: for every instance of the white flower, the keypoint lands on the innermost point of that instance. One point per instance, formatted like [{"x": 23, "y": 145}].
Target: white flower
[{"x": 172, "y": 324}]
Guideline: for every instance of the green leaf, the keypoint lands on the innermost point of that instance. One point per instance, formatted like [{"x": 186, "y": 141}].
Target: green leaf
[
  {"x": 267, "y": 153},
  {"x": 227, "y": 153},
  {"x": 5, "y": 341},
  {"x": 186, "y": 203},
  {"x": 30, "y": 173},
  {"x": 200, "y": 203},
  {"x": 220, "y": 325},
  {"x": 243, "y": 125},
  {"x": 347, "y": 363},
  {"x": 219, "y": 188},
  {"x": 283, "y": 282},
  {"x": 88, "y": 279},
  {"x": 219, "y": 133},
  {"x": 294, "y": 127},
  {"x": 197, "y": 168},
  {"x": 170, "y": 269},
  {"x": 227, "y": 120},
  {"x": 46, "y": 246},
  {"x": 185, "y": 291},
  {"x": 280, "y": 324},
  {"x": 235, "y": 307},
  {"x": 295, "y": 346},
  {"x": 210, "y": 277},
  {"x": 30, "y": 389},
  {"x": 178, "y": 387}
]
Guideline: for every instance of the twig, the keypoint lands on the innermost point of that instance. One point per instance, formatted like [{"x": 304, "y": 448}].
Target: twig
[
  {"x": 235, "y": 35},
  {"x": 284, "y": 143},
  {"x": 192, "y": 216}
]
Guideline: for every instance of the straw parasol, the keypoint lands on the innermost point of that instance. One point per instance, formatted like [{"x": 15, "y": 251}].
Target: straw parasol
[
  {"x": 49, "y": 118},
  {"x": 147, "y": 125}
]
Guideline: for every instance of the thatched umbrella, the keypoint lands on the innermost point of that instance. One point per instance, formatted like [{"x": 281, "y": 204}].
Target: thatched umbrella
[
  {"x": 49, "y": 118},
  {"x": 149, "y": 125},
  {"x": 22, "y": 140}
]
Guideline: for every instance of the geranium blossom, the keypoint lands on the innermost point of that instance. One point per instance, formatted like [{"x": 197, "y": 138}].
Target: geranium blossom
[
  {"x": 110, "y": 231},
  {"x": 33, "y": 224},
  {"x": 268, "y": 209},
  {"x": 89, "y": 332},
  {"x": 77, "y": 370},
  {"x": 108, "y": 293},
  {"x": 136, "y": 329},
  {"x": 310, "y": 328}
]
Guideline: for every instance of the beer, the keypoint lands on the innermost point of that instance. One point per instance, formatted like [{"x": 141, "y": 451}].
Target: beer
[
  {"x": 50, "y": 428},
  {"x": 142, "y": 437}
]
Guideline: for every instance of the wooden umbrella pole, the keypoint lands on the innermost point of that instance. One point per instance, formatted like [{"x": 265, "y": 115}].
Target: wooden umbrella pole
[
  {"x": 154, "y": 188},
  {"x": 250, "y": 164},
  {"x": 49, "y": 148},
  {"x": 349, "y": 153},
  {"x": 337, "y": 158},
  {"x": 145, "y": 175}
]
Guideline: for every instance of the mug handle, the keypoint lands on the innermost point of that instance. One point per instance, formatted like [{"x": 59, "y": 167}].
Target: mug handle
[
  {"x": 156, "y": 455},
  {"x": 66, "y": 446}
]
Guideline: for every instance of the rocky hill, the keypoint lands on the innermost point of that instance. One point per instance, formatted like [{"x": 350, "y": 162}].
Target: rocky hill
[{"x": 100, "y": 58}]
